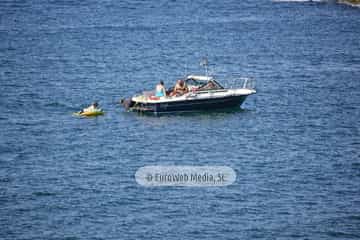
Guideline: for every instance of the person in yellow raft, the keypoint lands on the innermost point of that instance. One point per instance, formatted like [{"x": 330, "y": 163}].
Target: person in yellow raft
[
  {"x": 92, "y": 110},
  {"x": 93, "y": 107}
]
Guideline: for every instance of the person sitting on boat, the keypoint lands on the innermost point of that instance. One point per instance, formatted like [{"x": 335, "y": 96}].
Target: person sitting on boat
[
  {"x": 180, "y": 88},
  {"x": 93, "y": 107},
  {"x": 208, "y": 86},
  {"x": 160, "y": 90}
]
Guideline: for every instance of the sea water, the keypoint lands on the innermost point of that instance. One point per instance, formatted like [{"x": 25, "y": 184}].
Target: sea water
[{"x": 294, "y": 145}]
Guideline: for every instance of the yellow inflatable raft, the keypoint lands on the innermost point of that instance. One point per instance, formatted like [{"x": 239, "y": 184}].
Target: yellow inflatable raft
[{"x": 94, "y": 113}]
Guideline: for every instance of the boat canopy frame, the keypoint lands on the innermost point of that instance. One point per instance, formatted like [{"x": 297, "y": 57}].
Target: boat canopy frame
[{"x": 202, "y": 81}]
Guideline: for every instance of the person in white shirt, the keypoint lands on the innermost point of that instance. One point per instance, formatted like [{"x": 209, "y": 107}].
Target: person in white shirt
[{"x": 91, "y": 108}]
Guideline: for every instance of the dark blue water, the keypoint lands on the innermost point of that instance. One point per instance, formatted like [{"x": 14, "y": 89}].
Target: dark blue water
[{"x": 294, "y": 145}]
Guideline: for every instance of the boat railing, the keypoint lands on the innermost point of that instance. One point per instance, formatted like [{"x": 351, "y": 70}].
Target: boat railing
[
  {"x": 243, "y": 82},
  {"x": 248, "y": 83}
]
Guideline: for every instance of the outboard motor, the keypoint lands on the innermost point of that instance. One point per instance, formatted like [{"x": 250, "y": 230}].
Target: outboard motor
[{"x": 127, "y": 103}]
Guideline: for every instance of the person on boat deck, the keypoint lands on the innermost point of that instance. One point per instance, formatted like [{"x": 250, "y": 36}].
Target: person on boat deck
[
  {"x": 180, "y": 88},
  {"x": 91, "y": 108},
  {"x": 160, "y": 90},
  {"x": 208, "y": 86}
]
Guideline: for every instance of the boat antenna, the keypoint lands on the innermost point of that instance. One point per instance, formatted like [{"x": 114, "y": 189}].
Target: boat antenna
[{"x": 205, "y": 63}]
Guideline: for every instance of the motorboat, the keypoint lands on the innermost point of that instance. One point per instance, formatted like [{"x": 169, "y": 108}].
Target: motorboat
[{"x": 204, "y": 93}]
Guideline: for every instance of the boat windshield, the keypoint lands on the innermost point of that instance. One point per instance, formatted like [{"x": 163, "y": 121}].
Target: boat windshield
[
  {"x": 203, "y": 85},
  {"x": 196, "y": 83}
]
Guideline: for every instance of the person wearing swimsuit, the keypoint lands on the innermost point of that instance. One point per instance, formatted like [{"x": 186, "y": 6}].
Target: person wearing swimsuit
[
  {"x": 160, "y": 90},
  {"x": 180, "y": 88}
]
